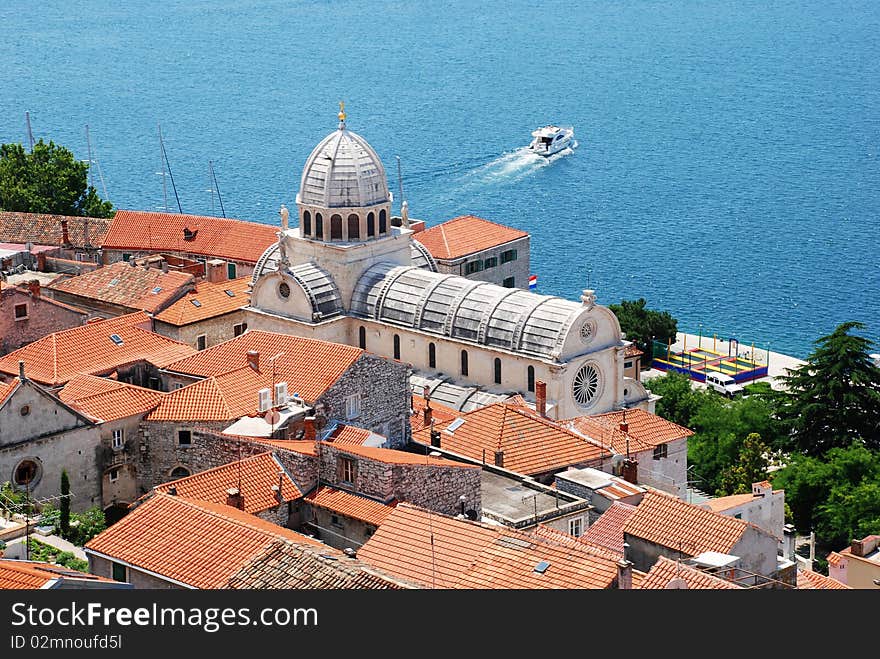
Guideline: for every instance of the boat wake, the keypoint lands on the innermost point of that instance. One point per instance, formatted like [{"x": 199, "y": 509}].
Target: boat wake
[{"x": 515, "y": 165}]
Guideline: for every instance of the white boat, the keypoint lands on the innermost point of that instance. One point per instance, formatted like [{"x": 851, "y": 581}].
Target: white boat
[{"x": 551, "y": 139}]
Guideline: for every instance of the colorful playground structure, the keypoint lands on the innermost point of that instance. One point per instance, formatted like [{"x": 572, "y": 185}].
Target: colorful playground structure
[{"x": 695, "y": 362}]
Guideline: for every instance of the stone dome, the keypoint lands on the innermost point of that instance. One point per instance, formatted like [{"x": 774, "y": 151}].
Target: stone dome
[{"x": 343, "y": 171}]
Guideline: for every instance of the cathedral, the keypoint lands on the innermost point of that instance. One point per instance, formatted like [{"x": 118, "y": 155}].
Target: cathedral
[{"x": 351, "y": 273}]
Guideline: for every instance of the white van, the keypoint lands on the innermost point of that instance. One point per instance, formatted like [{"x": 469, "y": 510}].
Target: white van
[{"x": 723, "y": 384}]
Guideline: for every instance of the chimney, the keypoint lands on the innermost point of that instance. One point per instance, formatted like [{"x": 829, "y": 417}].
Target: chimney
[
  {"x": 435, "y": 438},
  {"x": 630, "y": 471},
  {"x": 21, "y": 370},
  {"x": 624, "y": 575},
  {"x": 234, "y": 498},
  {"x": 41, "y": 261},
  {"x": 253, "y": 359},
  {"x": 172, "y": 490},
  {"x": 65, "y": 236},
  {"x": 856, "y": 548},
  {"x": 310, "y": 433},
  {"x": 499, "y": 458},
  {"x": 34, "y": 287},
  {"x": 216, "y": 271},
  {"x": 541, "y": 397},
  {"x": 427, "y": 413}
]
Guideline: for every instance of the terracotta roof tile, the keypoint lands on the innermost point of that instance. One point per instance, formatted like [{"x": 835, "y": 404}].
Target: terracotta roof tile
[
  {"x": 6, "y": 389},
  {"x": 531, "y": 444},
  {"x": 393, "y": 456},
  {"x": 632, "y": 350},
  {"x": 809, "y": 580},
  {"x": 607, "y": 531},
  {"x": 108, "y": 400},
  {"x": 670, "y": 522},
  {"x": 309, "y": 366},
  {"x": 33, "y": 575},
  {"x": 465, "y": 235},
  {"x": 665, "y": 570},
  {"x": 550, "y": 534},
  {"x": 134, "y": 287},
  {"x": 439, "y": 412},
  {"x": 720, "y": 504},
  {"x": 225, "y": 397},
  {"x": 214, "y": 236},
  {"x": 645, "y": 431},
  {"x": 213, "y": 300},
  {"x": 350, "y": 505},
  {"x": 344, "y": 434},
  {"x": 295, "y": 566},
  {"x": 301, "y": 446},
  {"x": 834, "y": 558},
  {"x": 58, "y": 357},
  {"x": 44, "y": 229},
  {"x": 443, "y": 552},
  {"x": 254, "y": 476},
  {"x": 197, "y": 543}
]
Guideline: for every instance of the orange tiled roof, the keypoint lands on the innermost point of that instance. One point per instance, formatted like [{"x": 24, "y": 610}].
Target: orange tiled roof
[
  {"x": 33, "y": 575},
  {"x": 44, "y": 229},
  {"x": 58, "y": 357},
  {"x": 197, "y": 543},
  {"x": 665, "y": 570},
  {"x": 444, "y": 552},
  {"x": 213, "y": 300},
  {"x": 550, "y": 534},
  {"x": 645, "y": 431},
  {"x": 809, "y": 580},
  {"x": 465, "y": 235},
  {"x": 225, "y": 397},
  {"x": 632, "y": 350},
  {"x": 254, "y": 476},
  {"x": 304, "y": 447},
  {"x": 106, "y": 399},
  {"x": 607, "y": 531},
  {"x": 134, "y": 287},
  {"x": 236, "y": 240},
  {"x": 720, "y": 504},
  {"x": 531, "y": 444},
  {"x": 344, "y": 434},
  {"x": 834, "y": 558},
  {"x": 6, "y": 389},
  {"x": 350, "y": 505},
  {"x": 309, "y": 366},
  {"x": 665, "y": 520},
  {"x": 395, "y": 457},
  {"x": 439, "y": 412}
]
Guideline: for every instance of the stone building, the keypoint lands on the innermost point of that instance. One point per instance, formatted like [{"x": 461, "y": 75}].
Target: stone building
[
  {"x": 209, "y": 314},
  {"x": 347, "y": 274},
  {"x": 122, "y": 288},
  {"x": 77, "y": 238},
  {"x": 26, "y": 316},
  {"x": 763, "y": 506},
  {"x": 117, "y": 408},
  {"x": 123, "y": 348},
  {"x": 40, "y": 436},
  {"x": 134, "y": 234},
  {"x": 478, "y": 249}
]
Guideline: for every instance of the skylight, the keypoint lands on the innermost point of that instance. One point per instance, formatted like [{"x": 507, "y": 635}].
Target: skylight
[
  {"x": 229, "y": 293},
  {"x": 158, "y": 289},
  {"x": 195, "y": 302},
  {"x": 113, "y": 282},
  {"x": 116, "y": 339},
  {"x": 541, "y": 567},
  {"x": 455, "y": 425}
]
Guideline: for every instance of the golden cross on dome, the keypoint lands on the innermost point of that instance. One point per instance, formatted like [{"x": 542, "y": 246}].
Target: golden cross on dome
[{"x": 341, "y": 110}]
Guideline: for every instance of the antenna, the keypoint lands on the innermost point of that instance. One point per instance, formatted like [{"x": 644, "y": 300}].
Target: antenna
[
  {"x": 217, "y": 188},
  {"x": 170, "y": 175},
  {"x": 30, "y": 133}
]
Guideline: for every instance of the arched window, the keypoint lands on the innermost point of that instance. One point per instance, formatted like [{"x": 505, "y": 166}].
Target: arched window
[
  {"x": 319, "y": 226},
  {"x": 396, "y": 346},
  {"x": 179, "y": 472},
  {"x": 432, "y": 356},
  {"x": 497, "y": 371},
  {"x": 307, "y": 223},
  {"x": 336, "y": 227},
  {"x": 354, "y": 227},
  {"x": 383, "y": 222},
  {"x": 530, "y": 377},
  {"x": 371, "y": 224},
  {"x": 464, "y": 364},
  {"x": 362, "y": 337}
]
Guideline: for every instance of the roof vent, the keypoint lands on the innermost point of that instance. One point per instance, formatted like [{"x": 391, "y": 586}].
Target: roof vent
[{"x": 541, "y": 567}]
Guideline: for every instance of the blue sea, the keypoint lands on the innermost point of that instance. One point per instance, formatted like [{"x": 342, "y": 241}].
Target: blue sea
[{"x": 727, "y": 163}]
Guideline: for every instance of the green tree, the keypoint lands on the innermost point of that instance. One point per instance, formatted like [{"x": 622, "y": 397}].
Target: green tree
[
  {"x": 834, "y": 398},
  {"x": 89, "y": 524},
  {"x": 643, "y": 325},
  {"x": 679, "y": 401},
  {"x": 750, "y": 467},
  {"x": 48, "y": 179},
  {"x": 64, "y": 519}
]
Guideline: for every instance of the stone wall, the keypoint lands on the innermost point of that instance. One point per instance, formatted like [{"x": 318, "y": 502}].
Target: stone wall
[
  {"x": 335, "y": 529},
  {"x": 383, "y": 387},
  {"x": 518, "y": 269},
  {"x": 139, "y": 580},
  {"x": 216, "y": 330},
  {"x": 159, "y": 451},
  {"x": 42, "y": 318}
]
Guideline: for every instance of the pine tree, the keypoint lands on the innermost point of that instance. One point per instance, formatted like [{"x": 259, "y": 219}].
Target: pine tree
[
  {"x": 65, "y": 504},
  {"x": 834, "y": 398}
]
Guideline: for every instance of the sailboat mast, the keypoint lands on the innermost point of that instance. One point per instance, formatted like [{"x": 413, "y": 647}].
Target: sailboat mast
[
  {"x": 89, "y": 145},
  {"x": 162, "y": 173},
  {"x": 27, "y": 117},
  {"x": 217, "y": 188}
]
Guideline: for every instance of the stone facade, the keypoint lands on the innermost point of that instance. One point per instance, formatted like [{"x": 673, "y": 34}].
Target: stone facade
[
  {"x": 41, "y": 317},
  {"x": 216, "y": 330},
  {"x": 118, "y": 466},
  {"x": 479, "y": 265},
  {"x": 240, "y": 268},
  {"x": 38, "y": 429},
  {"x": 336, "y": 530},
  {"x": 103, "y": 567}
]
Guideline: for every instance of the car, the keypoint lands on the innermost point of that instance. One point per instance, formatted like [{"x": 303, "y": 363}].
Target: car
[{"x": 723, "y": 384}]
